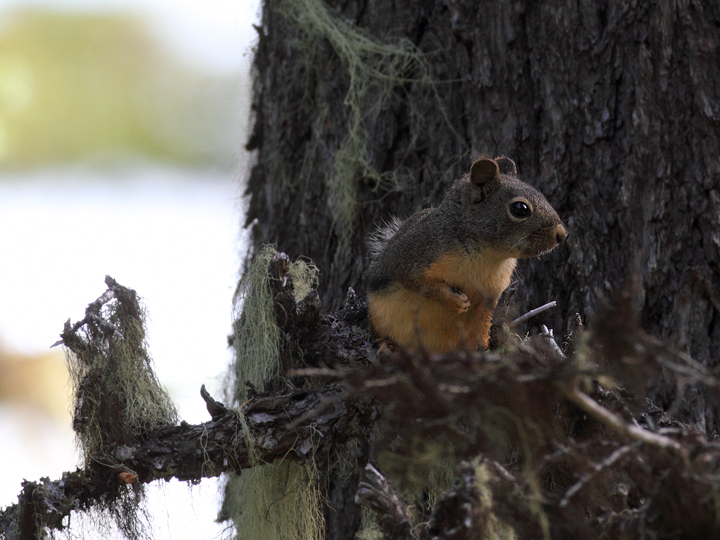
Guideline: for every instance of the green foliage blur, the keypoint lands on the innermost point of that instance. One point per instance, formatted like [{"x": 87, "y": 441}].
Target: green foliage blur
[{"x": 98, "y": 87}]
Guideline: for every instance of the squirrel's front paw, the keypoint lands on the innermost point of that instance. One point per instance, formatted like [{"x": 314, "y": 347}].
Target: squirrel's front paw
[{"x": 460, "y": 299}]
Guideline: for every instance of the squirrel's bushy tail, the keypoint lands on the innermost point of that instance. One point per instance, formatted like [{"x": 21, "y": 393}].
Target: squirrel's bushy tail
[{"x": 378, "y": 239}]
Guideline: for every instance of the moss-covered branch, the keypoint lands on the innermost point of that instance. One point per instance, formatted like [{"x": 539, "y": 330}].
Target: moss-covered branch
[{"x": 290, "y": 425}]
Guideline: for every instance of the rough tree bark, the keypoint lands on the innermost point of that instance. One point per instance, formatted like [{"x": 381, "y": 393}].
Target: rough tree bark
[{"x": 611, "y": 108}]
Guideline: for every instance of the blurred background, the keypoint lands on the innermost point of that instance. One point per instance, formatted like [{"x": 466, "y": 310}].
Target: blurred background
[{"x": 122, "y": 124}]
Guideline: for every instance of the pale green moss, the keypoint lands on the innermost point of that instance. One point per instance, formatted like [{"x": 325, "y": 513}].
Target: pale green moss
[
  {"x": 278, "y": 500},
  {"x": 118, "y": 401},
  {"x": 118, "y": 398},
  {"x": 257, "y": 335},
  {"x": 487, "y": 522},
  {"x": 375, "y": 69}
]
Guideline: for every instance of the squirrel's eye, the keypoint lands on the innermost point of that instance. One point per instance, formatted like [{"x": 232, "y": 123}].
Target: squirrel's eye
[{"x": 520, "y": 209}]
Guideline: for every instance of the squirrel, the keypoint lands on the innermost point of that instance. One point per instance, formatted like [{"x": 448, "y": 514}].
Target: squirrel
[{"x": 435, "y": 278}]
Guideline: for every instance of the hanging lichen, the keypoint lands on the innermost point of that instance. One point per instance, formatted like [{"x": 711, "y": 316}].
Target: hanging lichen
[
  {"x": 256, "y": 340},
  {"x": 257, "y": 337},
  {"x": 488, "y": 524},
  {"x": 118, "y": 400},
  {"x": 278, "y": 500},
  {"x": 376, "y": 73}
]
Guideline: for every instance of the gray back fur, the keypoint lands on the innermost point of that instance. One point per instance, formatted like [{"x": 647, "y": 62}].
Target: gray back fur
[{"x": 378, "y": 239}]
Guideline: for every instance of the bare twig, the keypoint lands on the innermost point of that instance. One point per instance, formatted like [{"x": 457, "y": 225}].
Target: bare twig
[
  {"x": 695, "y": 373},
  {"x": 91, "y": 314},
  {"x": 550, "y": 338},
  {"x": 594, "y": 409},
  {"x": 596, "y": 468},
  {"x": 317, "y": 372},
  {"x": 530, "y": 314}
]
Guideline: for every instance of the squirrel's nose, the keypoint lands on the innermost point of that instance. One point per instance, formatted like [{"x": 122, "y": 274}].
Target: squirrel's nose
[{"x": 560, "y": 233}]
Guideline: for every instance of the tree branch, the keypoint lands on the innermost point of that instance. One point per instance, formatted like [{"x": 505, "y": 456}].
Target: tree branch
[
  {"x": 193, "y": 452},
  {"x": 376, "y": 493},
  {"x": 597, "y": 411}
]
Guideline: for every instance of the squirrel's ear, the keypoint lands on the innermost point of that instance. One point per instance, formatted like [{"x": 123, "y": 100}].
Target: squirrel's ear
[
  {"x": 483, "y": 171},
  {"x": 507, "y": 166}
]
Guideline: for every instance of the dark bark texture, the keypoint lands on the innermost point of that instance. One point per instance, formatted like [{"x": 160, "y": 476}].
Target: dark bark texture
[{"x": 610, "y": 108}]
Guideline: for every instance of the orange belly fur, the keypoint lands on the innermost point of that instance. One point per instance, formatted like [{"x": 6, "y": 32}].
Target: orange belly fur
[{"x": 412, "y": 320}]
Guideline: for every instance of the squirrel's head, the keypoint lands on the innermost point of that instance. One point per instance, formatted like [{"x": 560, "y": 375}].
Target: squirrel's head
[{"x": 502, "y": 213}]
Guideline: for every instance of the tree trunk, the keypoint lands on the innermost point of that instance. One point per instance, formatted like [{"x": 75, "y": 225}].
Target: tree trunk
[{"x": 610, "y": 108}]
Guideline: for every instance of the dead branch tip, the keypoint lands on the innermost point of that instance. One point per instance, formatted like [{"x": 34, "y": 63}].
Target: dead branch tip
[
  {"x": 531, "y": 314},
  {"x": 214, "y": 407}
]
